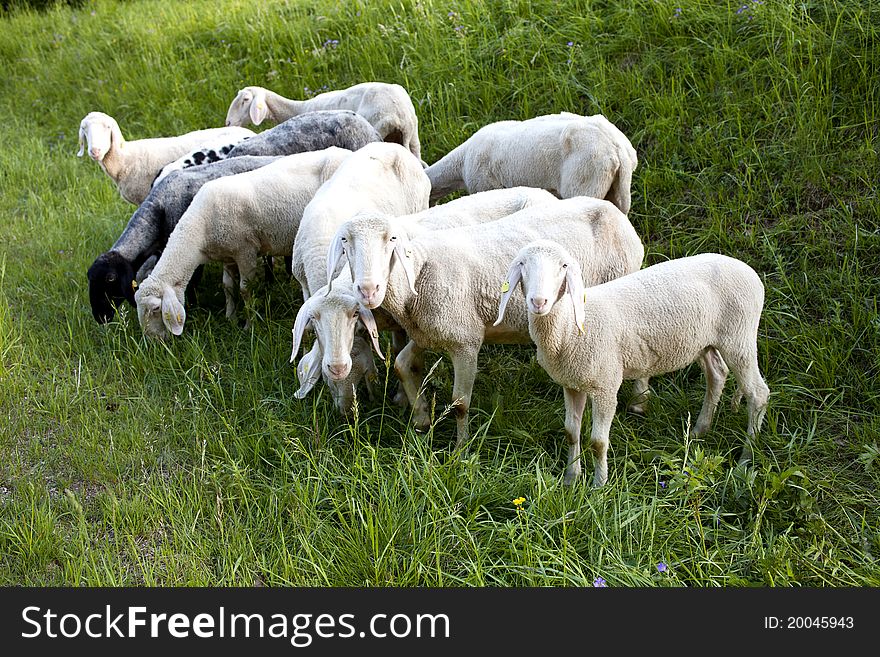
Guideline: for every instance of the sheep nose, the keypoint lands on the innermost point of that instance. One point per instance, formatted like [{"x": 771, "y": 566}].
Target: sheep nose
[
  {"x": 368, "y": 291},
  {"x": 338, "y": 370},
  {"x": 538, "y": 303},
  {"x": 95, "y": 153}
]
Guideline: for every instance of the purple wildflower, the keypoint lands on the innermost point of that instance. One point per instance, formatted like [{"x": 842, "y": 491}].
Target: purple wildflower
[
  {"x": 662, "y": 567},
  {"x": 600, "y": 582},
  {"x": 663, "y": 484},
  {"x": 570, "y": 44},
  {"x": 677, "y": 12},
  {"x": 742, "y": 9}
]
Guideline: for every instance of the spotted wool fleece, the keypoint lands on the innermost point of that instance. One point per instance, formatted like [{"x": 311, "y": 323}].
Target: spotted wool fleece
[{"x": 310, "y": 132}]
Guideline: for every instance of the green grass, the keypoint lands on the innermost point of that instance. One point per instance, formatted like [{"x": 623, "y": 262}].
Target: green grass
[{"x": 124, "y": 461}]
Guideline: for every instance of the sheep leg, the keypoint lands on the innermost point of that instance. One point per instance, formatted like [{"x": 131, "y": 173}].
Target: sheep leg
[
  {"x": 715, "y": 371},
  {"x": 752, "y": 385},
  {"x": 247, "y": 268},
  {"x": 408, "y": 361},
  {"x": 574, "y": 414},
  {"x": 230, "y": 278},
  {"x": 604, "y": 405},
  {"x": 464, "y": 364},
  {"x": 640, "y": 392},
  {"x": 399, "y": 341}
]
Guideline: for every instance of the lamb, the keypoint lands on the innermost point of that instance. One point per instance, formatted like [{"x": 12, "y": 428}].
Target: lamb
[
  {"x": 311, "y": 132},
  {"x": 133, "y": 165},
  {"x": 568, "y": 154},
  {"x": 381, "y": 176},
  {"x": 387, "y": 107},
  {"x": 330, "y": 311},
  {"x": 704, "y": 308},
  {"x": 233, "y": 220},
  {"x": 441, "y": 287},
  {"x": 115, "y": 274}
]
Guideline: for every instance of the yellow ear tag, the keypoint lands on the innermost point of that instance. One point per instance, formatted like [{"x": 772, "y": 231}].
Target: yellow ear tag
[
  {"x": 585, "y": 296},
  {"x": 178, "y": 319},
  {"x": 306, "y": 369},
  {"x": 167, "y": 316},
  {"x": 134, "y": 284},
  {"x": 260, "y": 106},
  {"x": 505, "y": 287}
]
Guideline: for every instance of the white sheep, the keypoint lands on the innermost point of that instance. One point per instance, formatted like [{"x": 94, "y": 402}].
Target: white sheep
[
  {"x": 704, "y": 308},
  {"x": 380, "y": 176},
  {"x": 442, "y": 287},
  {"x": 330, "y": 312},
  {"x": 387, "y": 107},
  {"x": 568, "y": 154},
  {"x": 235, "y": 220},
  {"x": 133, "y": 165}
]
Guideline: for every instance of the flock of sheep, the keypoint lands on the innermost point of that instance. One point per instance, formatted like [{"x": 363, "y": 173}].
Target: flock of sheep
[{"x": 539, "y": 251}]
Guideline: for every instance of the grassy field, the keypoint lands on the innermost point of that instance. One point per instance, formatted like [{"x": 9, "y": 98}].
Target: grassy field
[{"x": 125, "y": 461}]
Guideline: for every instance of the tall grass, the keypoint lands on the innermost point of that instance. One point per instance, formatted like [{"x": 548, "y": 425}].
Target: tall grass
[{"x": 124, "y": 461}]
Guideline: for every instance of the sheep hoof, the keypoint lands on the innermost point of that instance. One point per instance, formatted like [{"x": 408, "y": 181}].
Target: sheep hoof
[
  {"x": 421, "y": 421},
  {"x": 640, "y": 409}
]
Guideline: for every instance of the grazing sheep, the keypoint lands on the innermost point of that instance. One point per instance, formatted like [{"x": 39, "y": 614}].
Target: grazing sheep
[
  {"x": 705, "y": 308},
  {"x": 381, "y": 176},
  {"x": 133, "y": 165},
  {"x": 330, "y": 311},
  {"x": 233, "y": 220},
  {"x": 441, "y": 287},
  {"x": 114, "y": 275},
  {"x": 565, "y": 153},
  {"x": 387, "y": 107},
  {"x": 311, "y": 132}
]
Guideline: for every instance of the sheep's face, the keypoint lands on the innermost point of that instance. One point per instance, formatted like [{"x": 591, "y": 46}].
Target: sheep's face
[
  {"x": 159, "y": 311},
  {"x": 248, "y": 106},
  {"x": 373, "y": 245},
  {"x": 337, "y": 354},
  {"x": 547, "y": 272},
  {"x": 96, "y": 131},
  {"x": 111, "y": 281},
  {"x": 344, "y": 391}
]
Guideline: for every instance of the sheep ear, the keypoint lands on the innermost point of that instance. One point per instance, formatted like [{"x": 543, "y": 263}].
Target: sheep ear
[
  {"x": 370, "y": 324},
  {"x": 574, "y": 286},
  {"x": 82, "y": 143},
  {"x": 258, "y": 109},
  {"x": 335, "y": 259},
  {"x": 514, "y": 274},
  {"x": 308, "y": 371},
  {"x": 404, "y": 256},
  {"x": 173, "y": 312},
  {"x": 303, "y": 317}
]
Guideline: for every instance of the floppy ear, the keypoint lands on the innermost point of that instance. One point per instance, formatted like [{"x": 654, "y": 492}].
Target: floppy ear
[
  {"x": 258, "y": 109},
  {"x": 335, "y": 259},
  {"x": 173, "y": 312},
  {"x": 404, "y": 256},
  {"x": 303, "y": 317},
  {"x": 82, "y": 142},
  {"x": 370, "y": 324},
  {"x": 574, "y": 286},
  {"x": 514, "y": 274},
  {"x": 308, "y": 371}
]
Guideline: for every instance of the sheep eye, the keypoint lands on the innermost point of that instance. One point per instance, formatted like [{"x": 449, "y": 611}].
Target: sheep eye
[
  {"x": 355, "y": 314},
  {"x": 393, "y": 238},
  {"x": 565, "y": 265},
  {"x": 344, "y": 239}
]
